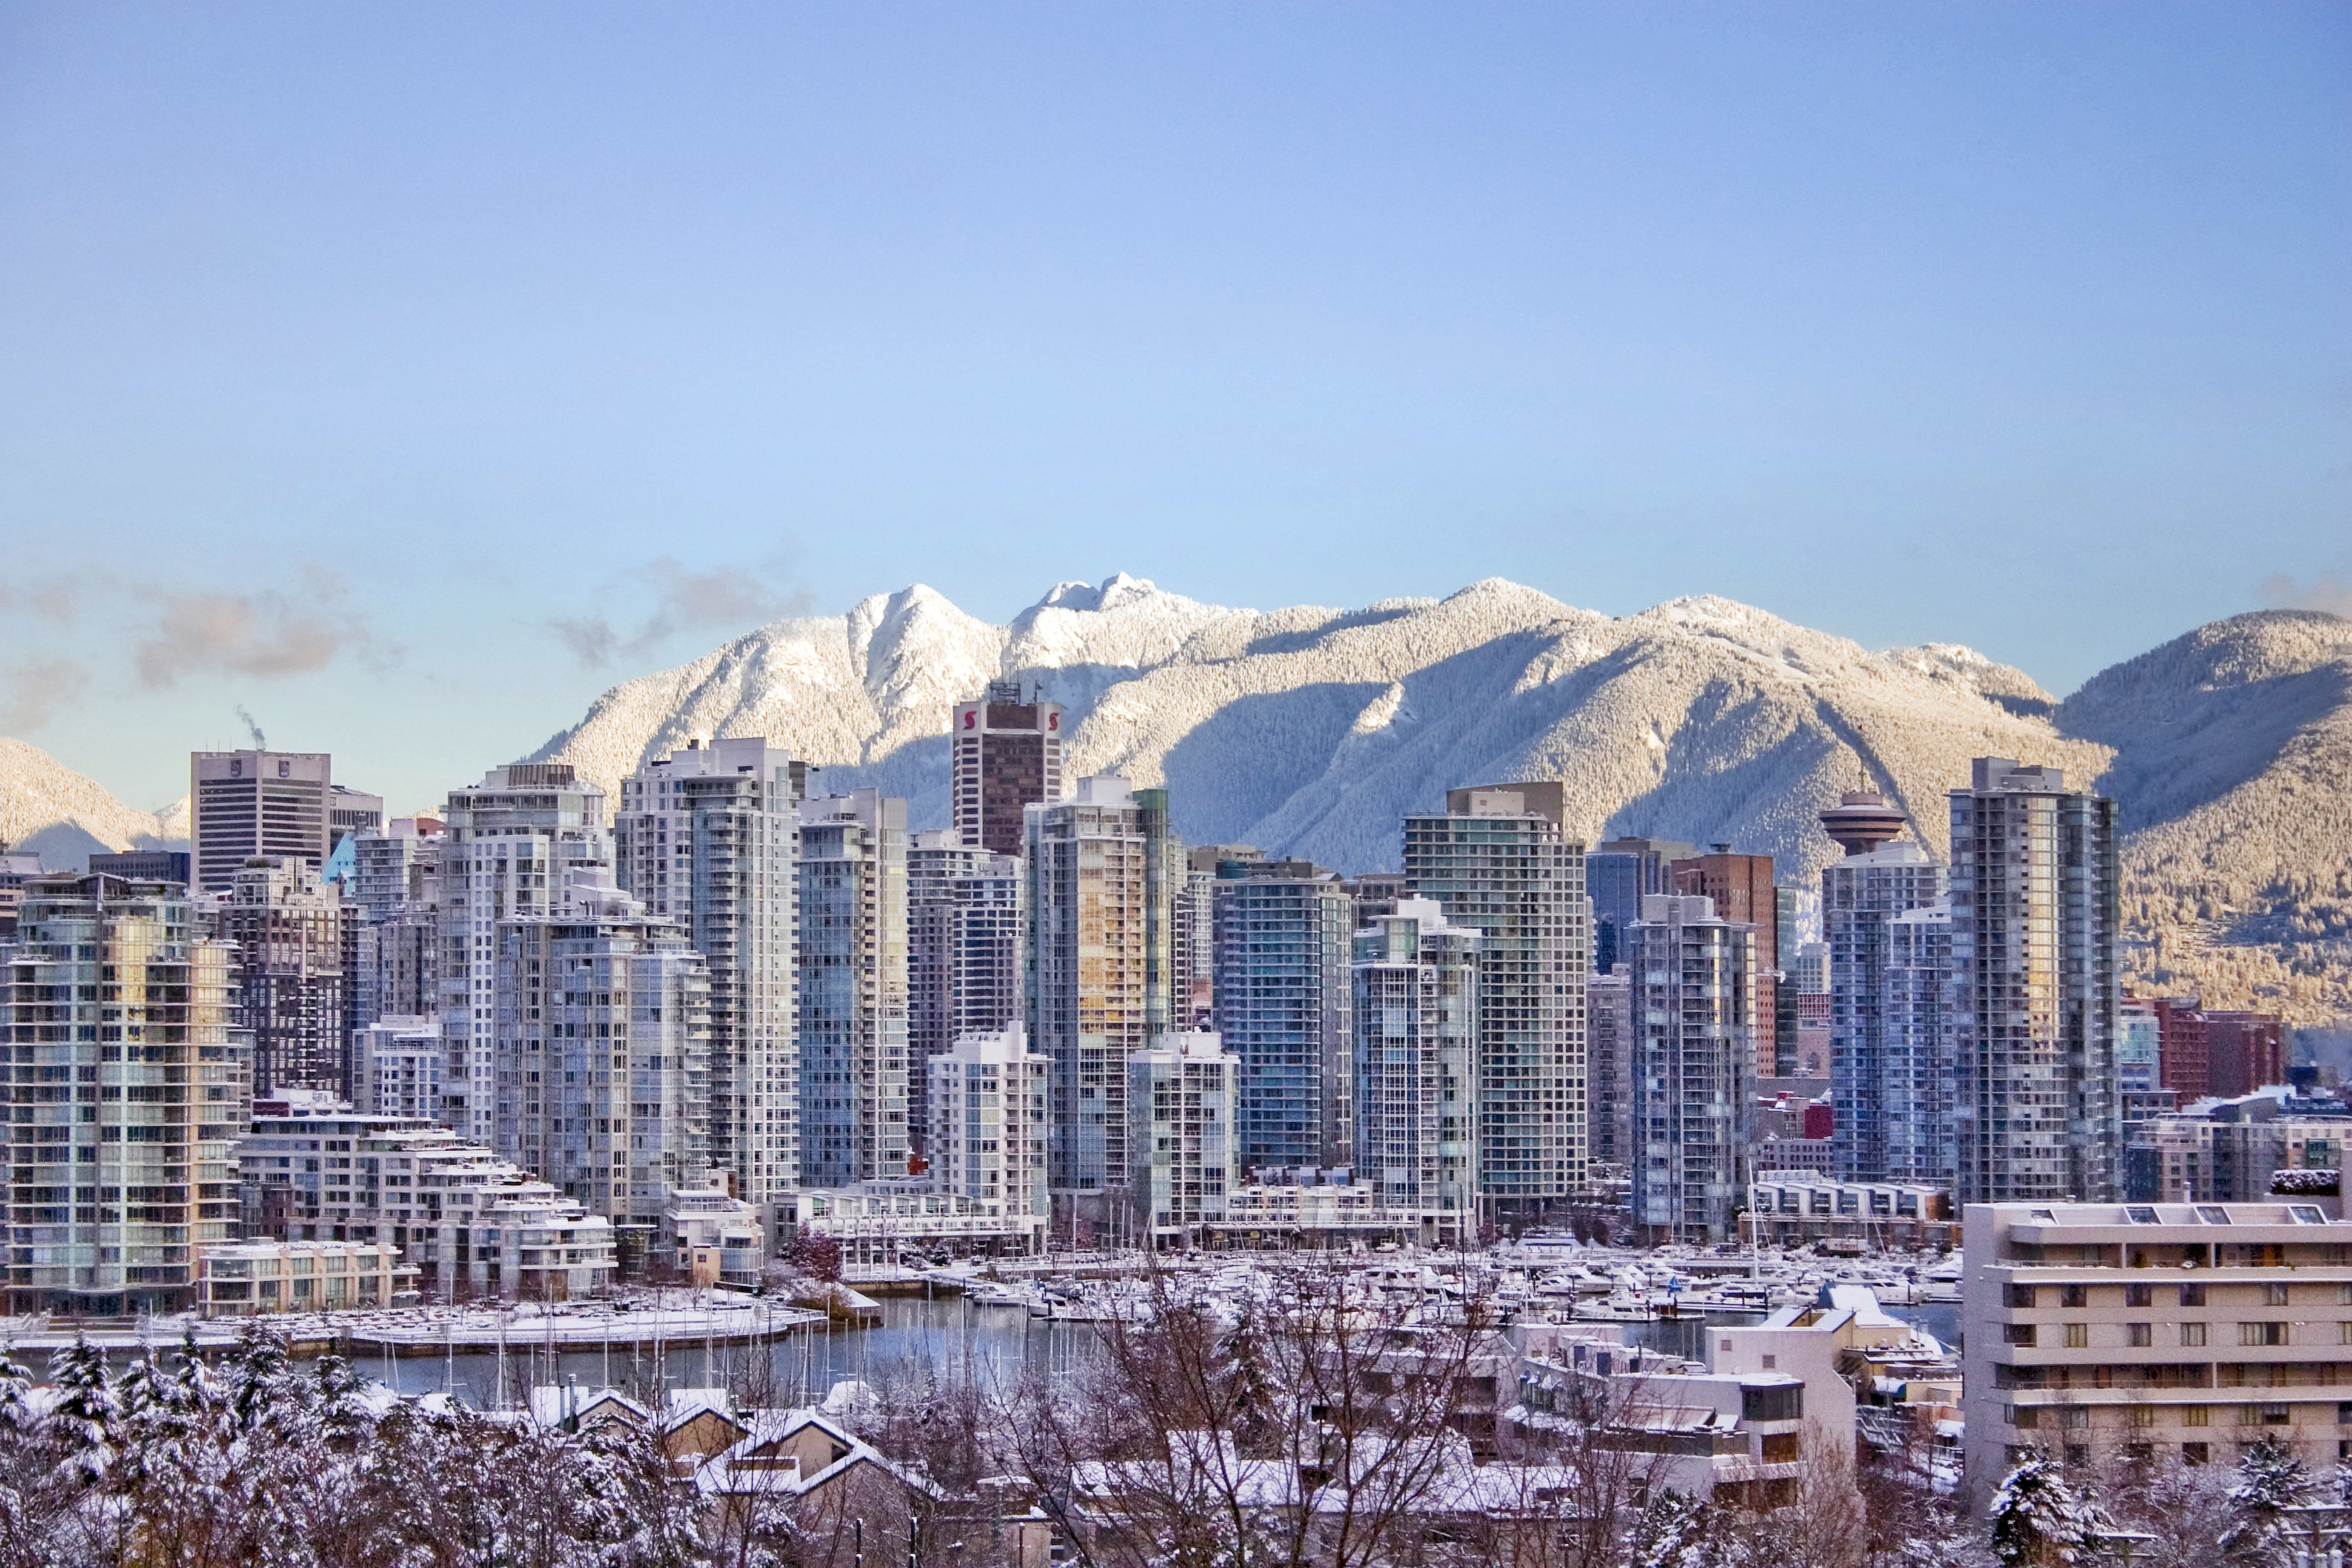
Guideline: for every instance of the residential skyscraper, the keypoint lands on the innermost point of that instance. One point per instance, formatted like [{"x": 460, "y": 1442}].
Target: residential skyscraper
[
  {"x": 396, "y": 866},
  {"x": 1097, "y": 960},
  {"x": 113, "y": 987},
  {"x": 1415, "y": 992},
  {"x": 1193, "y": 934},
  {"x": 853, "y": 1001},
  {"x": 513, "y": 842},
  {"x": 296, "y": 961},
  {"x": 1283, "y": 932},
  {"x": 963, "y": 954},
  {"x": 709, "y": 837},
  {"x": 603, "y": 1050},
  {"x": 1741, "y": 888},
  {"x": 247, "y": 805},
  {"x": 1918, "y": 993},
  {"x": 2035, "y": 897},
  {"x": 394, "y": 898},
  {"x": 1885, "y": 1089},
  {"x": 1498, "y": 864},
  {"x": 987, "y": 1138},
  {"x": 1693, "y": 983},
  {"x": 1181, "y": 1097},
  {"x": 1007, "y": 757},
  {"x": 1609, "y": 1065}
]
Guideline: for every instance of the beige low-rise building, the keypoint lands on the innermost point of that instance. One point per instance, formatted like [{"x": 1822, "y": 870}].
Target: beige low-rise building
[
  {"x": 1792, "y": 1207},
  {"x": 2189, "y": 1332},
  {"x": 241, "y": 1278}
]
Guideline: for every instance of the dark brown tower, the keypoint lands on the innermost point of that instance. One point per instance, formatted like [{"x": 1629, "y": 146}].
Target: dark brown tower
[{"x": 1008, "y": 754}]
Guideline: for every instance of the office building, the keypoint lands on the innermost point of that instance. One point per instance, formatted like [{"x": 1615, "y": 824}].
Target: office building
[
  {"x": 135, "y": 864},
  {"x": 2034, "y": 889},
  {"x": 1893, "y": 1096},
  {"x": 297, "y": 960},
  {"x": 2222, "y": 1327},
  {"x": 853, "y": 989},
  {"x": 2247, "y": 1050},
  {"x": 1007, "y": 757},
  {"x": 2184, "y": 1047},
  {"x": 1283, "y": 937},
  {"x": 1618, "y": 873},
  {"x": 1795, "y": 922},
  {"x": 350, "y": 811},
  {"x": 16, "y": 868},
  {"x": 1415, "y": 980},
  {"x": 963, "y": 955},
  {"x": 512, "y": 842},
  {"x": 2236, "y": 1150},
  {"x": 2139, "y": 1051},
  {"x": 114, "y": 988},
  {"x": 1097, "y": 961},
  {"x": 602, "y": 1051},
  {"x": 1694, "y": 992},
  {"x": 988, "y": 1123},
  {"x": 313, "y": 1169},
  {"x": 1180, "y": 1098},
  {"x": 1498, "y": 864},
  {"x": 709, "y": 837},
  {"x": 244, "y": 805}
]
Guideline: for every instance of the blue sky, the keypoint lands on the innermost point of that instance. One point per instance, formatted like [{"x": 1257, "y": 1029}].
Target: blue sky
[{"x": 407, "y": 375}]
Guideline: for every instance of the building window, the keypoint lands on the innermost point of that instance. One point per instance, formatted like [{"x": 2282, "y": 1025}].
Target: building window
[
  {"x": 2193, "y": 1296},
  {"x": 2195, "y": 1453},
  {"x": 2139, "y": 1416},
  {"x": 2262, "y": 1333},
  {"x": 2017, "y": 1296},
  {"x": 2140, "y": 1295},
  {"x": 2275, "y": 1293},
  {"x": 2074, "y": 1418},
  {"x": 2073, "y": 1294},
  {"x": 2193, "y": 1333},
  {"x": 2078, "y": 1336},
  {"x": 2197, "y": 1416},
  {"x": 2025, "y": 1416},
  {"x": 2138, "y": 1335},
  {"x": 2020, "y": 1333}
]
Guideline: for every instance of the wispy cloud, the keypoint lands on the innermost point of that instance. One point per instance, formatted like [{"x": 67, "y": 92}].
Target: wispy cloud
[
  {"x": 2327, "y": 592},
  {"x": 271, "y": 632},
  {"x": 32, "y": 690},
  {"x": 720, "y": 599},
  {"x": 53, "y": 601}
]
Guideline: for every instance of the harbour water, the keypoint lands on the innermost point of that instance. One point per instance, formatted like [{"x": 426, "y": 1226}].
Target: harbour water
[{"x": 947, "y": 1336}]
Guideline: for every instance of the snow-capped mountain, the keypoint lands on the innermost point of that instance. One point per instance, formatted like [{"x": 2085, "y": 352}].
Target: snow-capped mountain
[
  {"x": 50, "y": 810},
  {"x": 1310, "y": 731}
]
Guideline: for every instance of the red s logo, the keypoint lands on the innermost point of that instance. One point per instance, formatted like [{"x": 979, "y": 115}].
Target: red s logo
[
  {"x": 970, "y": 714},
  {"x": 1052, "y": 721}
]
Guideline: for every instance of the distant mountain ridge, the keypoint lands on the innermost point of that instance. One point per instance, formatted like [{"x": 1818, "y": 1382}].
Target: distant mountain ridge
[{"x": 1310, "y": 731}]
